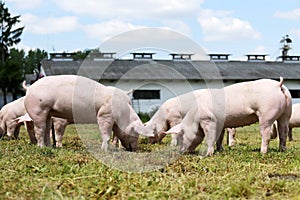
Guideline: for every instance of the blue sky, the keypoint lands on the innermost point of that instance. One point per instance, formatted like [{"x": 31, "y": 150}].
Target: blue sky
[{"x": 232, "y": 26}]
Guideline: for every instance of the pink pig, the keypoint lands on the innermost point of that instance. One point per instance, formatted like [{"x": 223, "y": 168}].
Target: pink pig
[
  {"x": 236, "y": 105},
  {"x": 82, "y": 100},
  {"x": 8, "y": 115},
  {"x": 293, "y": 123},
  {"x": 295, "y": 120},
  {"x": 170, "y": 114}
]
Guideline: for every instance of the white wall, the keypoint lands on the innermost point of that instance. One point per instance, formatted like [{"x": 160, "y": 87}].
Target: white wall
[
  {"x": 293, "y": 85},
  {"x": 168, "y": 89}
]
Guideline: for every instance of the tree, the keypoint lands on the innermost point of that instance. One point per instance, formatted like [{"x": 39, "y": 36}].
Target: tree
[
  {"x": 33, "y": 60},
  {"x": 81, "y": 55},
  {"x": 14, "y": 71},
  {"x": 9, "y": 36}
]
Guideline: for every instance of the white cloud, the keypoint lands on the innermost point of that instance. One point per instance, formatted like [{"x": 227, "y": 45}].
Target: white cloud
[
  {"x": 38, "y": 25},
  {"x": 177, "y": 25},
  {"x": 221, "y": 26},
  {"x": 105, "y": 30},
  {"x": 24, "y": 47},
  {"x": 259, "y": 50},
  {"x": 132, "y": 9},
  {"x": 292, "y": 14},
  {"x": 21, "y": 4}
]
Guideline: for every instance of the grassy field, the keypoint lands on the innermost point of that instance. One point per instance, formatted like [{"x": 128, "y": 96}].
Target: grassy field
[{"x": 240, "y": 172}]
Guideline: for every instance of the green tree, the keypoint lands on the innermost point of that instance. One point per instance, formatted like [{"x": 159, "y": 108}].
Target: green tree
[
  {"x": 33, "y": 60},
  {"x": 10, "y": 35},
  {"x": 81, "y": 55},
  {"x": 14, "y": 72}
]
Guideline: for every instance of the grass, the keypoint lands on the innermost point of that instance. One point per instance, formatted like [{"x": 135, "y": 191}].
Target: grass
[{"x": 72, "y": 172}]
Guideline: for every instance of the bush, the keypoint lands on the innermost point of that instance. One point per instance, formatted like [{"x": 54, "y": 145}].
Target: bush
[{"x": 144, "y": 116}]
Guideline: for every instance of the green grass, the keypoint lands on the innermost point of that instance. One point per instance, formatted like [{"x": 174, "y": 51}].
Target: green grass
[{"x": 239, "y": 172}]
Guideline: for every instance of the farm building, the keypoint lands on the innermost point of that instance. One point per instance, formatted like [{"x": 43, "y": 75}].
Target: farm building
[{"x": 156, "y": 80}]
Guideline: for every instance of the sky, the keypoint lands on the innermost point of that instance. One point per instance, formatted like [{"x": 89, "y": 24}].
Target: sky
[{"x": 233, "y": 26}]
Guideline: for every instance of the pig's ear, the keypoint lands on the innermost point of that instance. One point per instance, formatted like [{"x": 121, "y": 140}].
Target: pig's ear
[
  {"x": 143, "y": 130},
  {"x": 129, "y": 92},
  {"x": 23, "y": 118},
  {"x": 175, "y": 129}
]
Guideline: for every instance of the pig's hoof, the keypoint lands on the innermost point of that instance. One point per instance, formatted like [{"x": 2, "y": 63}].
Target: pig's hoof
[
  {"x": 33, "y": 142},
  {"x": 220, "y": 149},
  {"x": 231, "y": 144},
  {"x": 282, "y": 149},
  {"x": 182, "y": 152},
  {"x": 264, "y": 151}
]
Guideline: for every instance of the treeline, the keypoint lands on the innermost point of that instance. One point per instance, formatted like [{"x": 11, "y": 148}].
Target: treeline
[
  {"x": 14, "y": 68},
  {"x": 19, "y": 63},
  {"x": 15, "y": 63}
]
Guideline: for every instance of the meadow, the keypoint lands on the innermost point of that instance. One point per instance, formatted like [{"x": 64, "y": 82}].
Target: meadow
[{"x": 72, "y": 172}]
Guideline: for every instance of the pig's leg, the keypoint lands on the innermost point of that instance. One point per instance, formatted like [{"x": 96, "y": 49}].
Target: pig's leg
[
  {"x": 155, "y": 139},
  {"x": 105, "y": 124},
  {"x": 47, "y": 132},
  {"x": 11, "y": 127},
  {"x": 17, "y": 131},
  {"x": 266, "y": 136},
  {"x": 39, "y": 129},
  {"x": 105, "y": 130},
  {"x": 274, "y": 130},
  {"x": 265, "y": 131},
  {"x": 30, "y": 130},
  {"x": 231, "y": 136},
  {"x": 220, "y": 141},
  {"x": 174, "y": 141},
  {"x": 116, "y": 142},
  {"x": 40, "y": 126},
  {"x": 160, "y": 136},
  {"x": 59, "y": 133},
  {"x": 210, "y": 131},
  {"x": 196, "y": 141},
  {"x": 290, "y": 134},
  {"x": 283, "y": 130}
]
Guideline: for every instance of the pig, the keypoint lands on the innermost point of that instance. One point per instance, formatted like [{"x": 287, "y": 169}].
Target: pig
[
  {"x": 82, "y": 100},
  {"x": 233, "y": 106},
  {"x": 59, "y": 124},
  {"x": 293, "y": 123},
  {"x": 8, "y": 114},
  {"x": 171, "y": 113},
  {"x": 295, "y": 120}
]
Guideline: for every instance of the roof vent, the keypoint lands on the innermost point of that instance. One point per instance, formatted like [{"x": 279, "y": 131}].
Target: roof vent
[
  {"x": 143, "y": 56},
  {"x": 62, "y": 56},
  {"x": 290, "y": 58},
  {"x": 181, "y": 56},
  {"x": 219, "y": 57},
  {"x": 96, "y": 55},
  {"x": 256, "y": 57}
]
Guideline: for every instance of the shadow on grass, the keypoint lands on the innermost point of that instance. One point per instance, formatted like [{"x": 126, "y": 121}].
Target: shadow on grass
[{"x": 277, "y": 176}]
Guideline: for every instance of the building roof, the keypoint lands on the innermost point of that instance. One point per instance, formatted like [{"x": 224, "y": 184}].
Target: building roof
[{"x": 171, "y": 69}]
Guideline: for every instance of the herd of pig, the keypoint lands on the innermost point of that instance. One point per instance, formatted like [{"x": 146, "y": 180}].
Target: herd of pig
[{"x": 65, "y": 99}]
